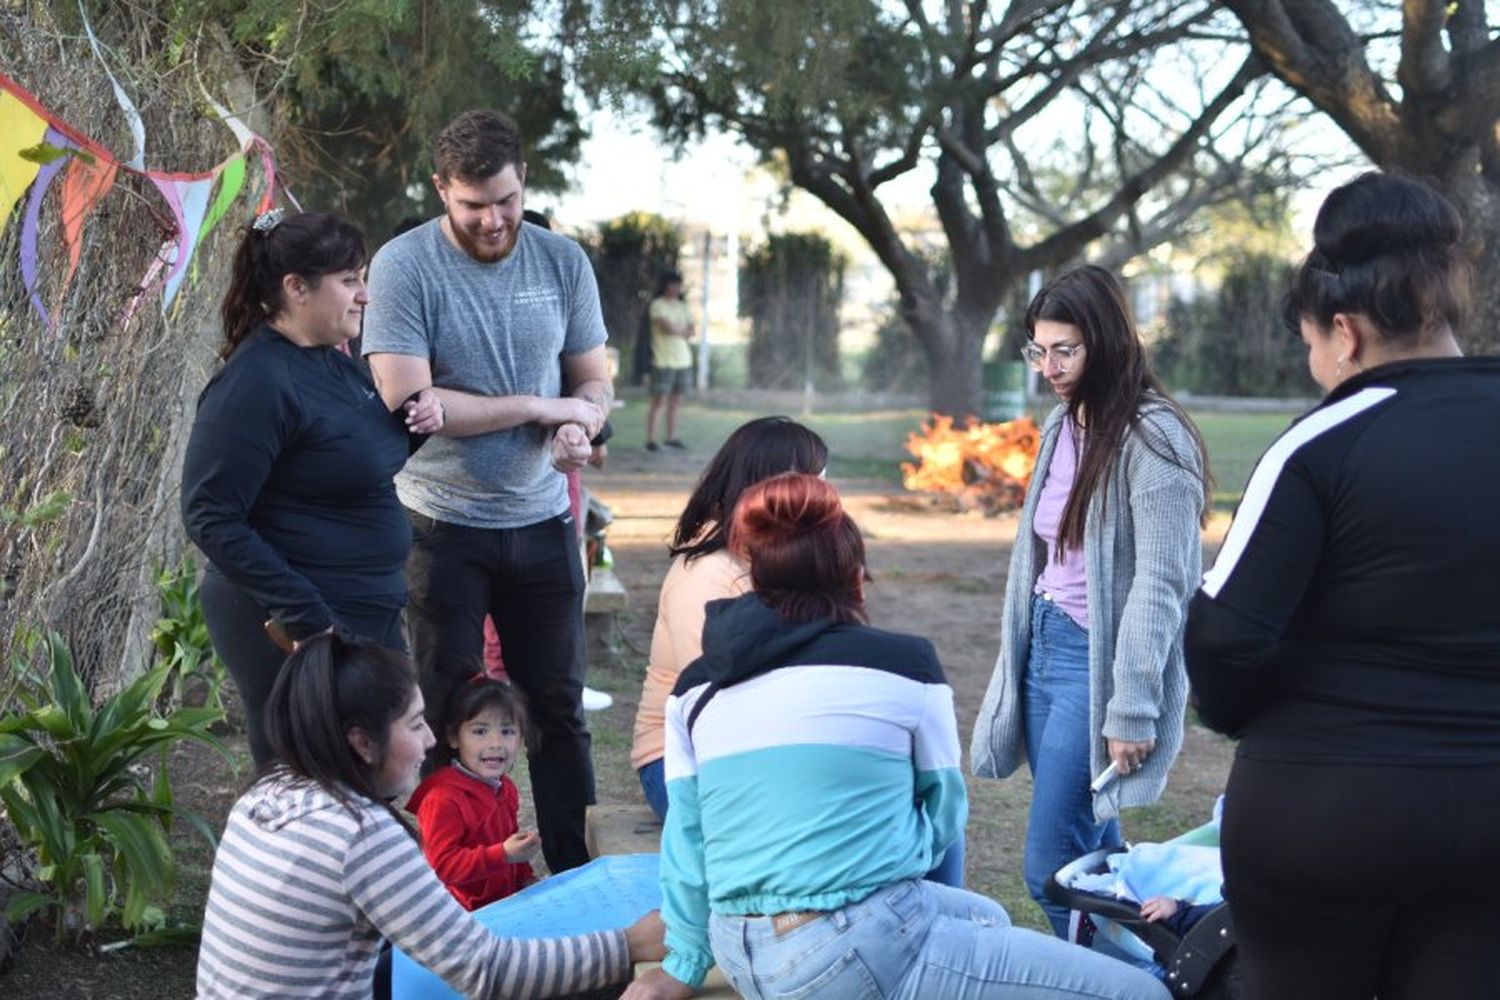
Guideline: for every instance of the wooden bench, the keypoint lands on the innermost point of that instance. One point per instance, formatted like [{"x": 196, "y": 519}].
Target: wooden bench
[
  {"x": 605, "y": 594},
  {"x": 634, "y": 829}
]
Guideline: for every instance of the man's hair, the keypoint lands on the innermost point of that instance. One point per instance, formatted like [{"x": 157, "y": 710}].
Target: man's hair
[{"x": 477, "y": 145}]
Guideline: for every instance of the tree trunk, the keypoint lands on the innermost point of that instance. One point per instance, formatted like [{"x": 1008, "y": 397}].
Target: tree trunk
[
  {"x": 954, "y": 345},
  {"x": 1478, "y": 201}
]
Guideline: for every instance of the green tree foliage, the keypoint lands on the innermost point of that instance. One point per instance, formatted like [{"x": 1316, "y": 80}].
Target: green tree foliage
[
  {"x": 1233, "y": 342},
  {"x": 894, "y": 363},
  {"x": 1144, "y": 107},
  {"x": 791, "y": 288},
  {"x": 629, "y": 255},
  {"x": 359, "y": 89}
]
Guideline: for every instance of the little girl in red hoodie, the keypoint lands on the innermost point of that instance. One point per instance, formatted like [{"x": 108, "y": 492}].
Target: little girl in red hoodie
[{"x": 467, "y": 810}]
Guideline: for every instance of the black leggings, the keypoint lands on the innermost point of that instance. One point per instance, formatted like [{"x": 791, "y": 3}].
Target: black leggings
[
  {"x": 1352, "y": 881},
  {"x": 236, "y": 624}
]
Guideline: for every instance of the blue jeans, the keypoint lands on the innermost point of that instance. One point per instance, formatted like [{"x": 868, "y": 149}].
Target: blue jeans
[
  {"x": 654, "y": 784},
  {"x": 949, "y": 870},
  {"x": 916, "y": 940},
  {"x": 1061, "y": 825}
]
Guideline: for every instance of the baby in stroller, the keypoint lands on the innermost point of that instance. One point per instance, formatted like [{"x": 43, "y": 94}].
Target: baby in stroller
[{"x": 1159, "y": 906}]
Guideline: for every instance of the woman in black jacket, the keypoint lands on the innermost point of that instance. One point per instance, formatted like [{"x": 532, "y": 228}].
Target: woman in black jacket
[
  {"x": 287, "y": 482},
  {"x": 1348, "y": 633}
]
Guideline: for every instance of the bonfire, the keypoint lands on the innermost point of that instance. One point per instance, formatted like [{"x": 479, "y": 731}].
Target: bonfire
[{"x": 982, "y": 466}]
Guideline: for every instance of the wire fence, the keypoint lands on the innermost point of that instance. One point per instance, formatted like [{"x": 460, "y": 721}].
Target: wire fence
[{"x": 94, "y": 409}]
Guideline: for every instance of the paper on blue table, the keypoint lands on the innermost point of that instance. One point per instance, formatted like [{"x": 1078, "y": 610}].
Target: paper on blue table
[{"x": 608, "y": 892}]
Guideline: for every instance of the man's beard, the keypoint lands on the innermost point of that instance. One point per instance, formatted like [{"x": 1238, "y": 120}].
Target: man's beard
[{"x": 484, "y": 252}]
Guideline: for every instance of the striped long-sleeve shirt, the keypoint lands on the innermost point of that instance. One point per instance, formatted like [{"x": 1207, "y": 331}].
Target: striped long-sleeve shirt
[{"x": 304, "y": 889}]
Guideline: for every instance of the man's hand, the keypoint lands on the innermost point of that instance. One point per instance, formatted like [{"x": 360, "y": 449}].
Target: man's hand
[
  {"x": 570, "y": 448},
  {"x": 570, "y": 410},
  {"x": 655, "y": 984},
  {"x": 522, "y": 846}
]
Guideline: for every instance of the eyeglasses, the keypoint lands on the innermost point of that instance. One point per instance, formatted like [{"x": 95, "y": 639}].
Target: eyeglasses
[{"x": 1063, "y": 355}]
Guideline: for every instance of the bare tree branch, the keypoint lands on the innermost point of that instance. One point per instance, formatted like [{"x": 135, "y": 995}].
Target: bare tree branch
[
  {"x": 1310, "y": 45},
  {"x": 1424, "y": 67},
  {"x": 1067, "y": 243}
]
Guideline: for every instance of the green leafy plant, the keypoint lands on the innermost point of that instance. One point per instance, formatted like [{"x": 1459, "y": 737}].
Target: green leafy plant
[
  {"x": 181, "y": 636},
  {"x": 76, "y": 783}
]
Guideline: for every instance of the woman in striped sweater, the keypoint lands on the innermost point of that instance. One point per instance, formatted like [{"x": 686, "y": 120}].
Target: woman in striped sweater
[{"x": 316, "y": 867}]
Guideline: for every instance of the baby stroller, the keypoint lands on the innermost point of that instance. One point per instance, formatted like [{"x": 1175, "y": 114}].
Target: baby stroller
[{"x": 1199, "y": 964}]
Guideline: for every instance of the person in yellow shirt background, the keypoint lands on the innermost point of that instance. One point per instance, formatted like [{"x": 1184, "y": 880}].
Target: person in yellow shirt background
[{"x": 671, "y": 356}]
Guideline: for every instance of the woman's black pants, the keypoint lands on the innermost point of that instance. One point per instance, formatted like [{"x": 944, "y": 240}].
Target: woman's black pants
[
  {"x": 236, "y": 624},
  {"x": 1355, "y": 881}
]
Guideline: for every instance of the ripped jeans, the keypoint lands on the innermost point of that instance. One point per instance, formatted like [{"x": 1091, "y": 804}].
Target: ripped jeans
[{"x": 916, "y": 940}]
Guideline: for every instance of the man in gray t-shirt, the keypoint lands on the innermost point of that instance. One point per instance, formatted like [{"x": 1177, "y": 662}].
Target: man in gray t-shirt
[{"x": 483, "y": 307}]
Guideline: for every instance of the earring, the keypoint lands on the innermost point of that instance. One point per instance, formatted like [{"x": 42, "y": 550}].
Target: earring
[{"x": 1338, "y": 372}]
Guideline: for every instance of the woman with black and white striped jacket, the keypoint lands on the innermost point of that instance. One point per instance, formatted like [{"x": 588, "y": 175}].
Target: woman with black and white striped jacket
[{"x": 1349, "y": 636}]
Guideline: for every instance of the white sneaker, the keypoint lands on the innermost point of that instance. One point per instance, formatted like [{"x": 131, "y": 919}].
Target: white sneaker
[{"x": 596, "y": 701}]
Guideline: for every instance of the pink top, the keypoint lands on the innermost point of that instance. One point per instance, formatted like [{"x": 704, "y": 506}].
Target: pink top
[
  {"x": 677, "y": 640},
  {"x": 1063, "y": 580}
]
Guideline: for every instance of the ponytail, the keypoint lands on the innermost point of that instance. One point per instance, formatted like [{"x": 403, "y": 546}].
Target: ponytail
[{"x": 311, "y": 245}]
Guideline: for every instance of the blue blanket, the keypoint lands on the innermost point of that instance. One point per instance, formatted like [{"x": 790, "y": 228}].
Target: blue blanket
[{"x": 608, "y": 892}]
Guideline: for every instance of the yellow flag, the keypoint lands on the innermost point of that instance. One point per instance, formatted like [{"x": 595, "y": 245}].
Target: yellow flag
[{"x": 20, "y": 128}]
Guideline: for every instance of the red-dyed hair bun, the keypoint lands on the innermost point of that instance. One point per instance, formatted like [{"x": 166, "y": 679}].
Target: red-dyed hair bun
[{"x": 806, "y": 556}]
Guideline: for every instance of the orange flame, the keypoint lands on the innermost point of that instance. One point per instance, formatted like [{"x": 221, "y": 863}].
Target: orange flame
[{"x": 983, "y": 465}]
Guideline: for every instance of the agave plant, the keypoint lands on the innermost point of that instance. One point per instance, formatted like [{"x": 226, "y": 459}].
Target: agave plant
[{"x": 75, "y": 783}]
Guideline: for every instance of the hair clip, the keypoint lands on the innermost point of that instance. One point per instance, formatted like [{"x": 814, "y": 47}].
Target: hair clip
[{"x": 267, "y": 221}]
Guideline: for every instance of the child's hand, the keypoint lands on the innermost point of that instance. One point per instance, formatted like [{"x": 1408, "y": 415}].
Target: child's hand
[
  {"x": 1158, "y": 908},
  {"x": 522, "y": 846}
]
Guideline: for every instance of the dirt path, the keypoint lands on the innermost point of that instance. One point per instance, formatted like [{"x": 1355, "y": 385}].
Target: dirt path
[{"x": 937, "y": 574}]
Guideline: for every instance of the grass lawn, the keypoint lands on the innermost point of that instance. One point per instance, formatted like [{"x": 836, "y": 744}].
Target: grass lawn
[
  {"x": 864, "y": 446},
  {"x": 870, "y": 445}
]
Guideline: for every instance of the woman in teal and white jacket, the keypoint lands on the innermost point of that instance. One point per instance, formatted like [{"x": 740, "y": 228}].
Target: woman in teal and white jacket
[{"x": 813, "y": 774}]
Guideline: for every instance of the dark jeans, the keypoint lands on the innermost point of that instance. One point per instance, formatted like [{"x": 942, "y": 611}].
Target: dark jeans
[
  {"x": 236, "y": 624},
  {"x": 530, "y": 580},
  {"x": 1352, "y": 881}
]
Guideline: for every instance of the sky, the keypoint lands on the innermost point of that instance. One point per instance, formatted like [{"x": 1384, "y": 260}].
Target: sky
[{"x": 626, "y": 167}]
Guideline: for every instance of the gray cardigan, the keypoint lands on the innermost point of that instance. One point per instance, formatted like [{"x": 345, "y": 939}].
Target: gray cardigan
[{"x": 1143, "y": 558}]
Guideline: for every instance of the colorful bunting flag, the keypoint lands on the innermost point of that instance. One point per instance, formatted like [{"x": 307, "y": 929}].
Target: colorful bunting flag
[
  {"x": 191, "y": 200},
  {"x": 137, "y": 159},
  {"x": 231, "y": 180},
  {"x": 54, "y": 144},
  {"x": 36, "y": 147},
  {"x": 21, "y": 131},
  {"x": 85, "y": 184}
]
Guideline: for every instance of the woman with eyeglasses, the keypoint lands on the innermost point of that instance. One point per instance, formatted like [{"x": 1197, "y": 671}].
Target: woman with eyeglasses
[
  {"x": 1348, "y": 635},
  {"x": 1090, "y": 680}
]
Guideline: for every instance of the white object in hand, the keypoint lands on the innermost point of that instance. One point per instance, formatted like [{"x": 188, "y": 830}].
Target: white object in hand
[{"x": 1107, "y": 775}]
